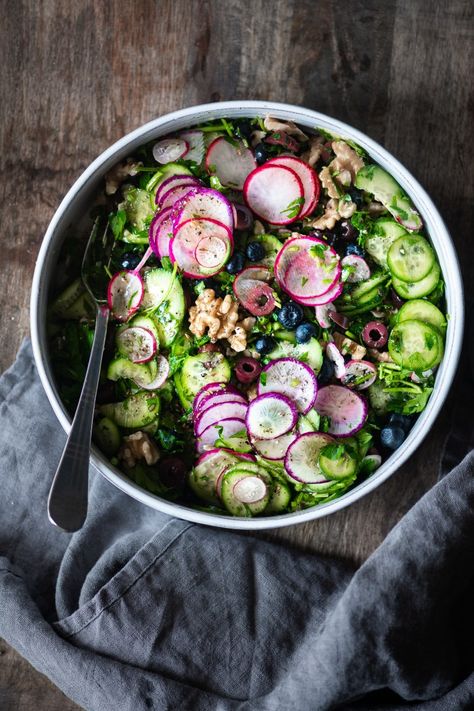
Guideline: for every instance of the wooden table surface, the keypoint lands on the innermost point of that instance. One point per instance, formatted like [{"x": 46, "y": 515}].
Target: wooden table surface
[{"x": 78, "y": 75}]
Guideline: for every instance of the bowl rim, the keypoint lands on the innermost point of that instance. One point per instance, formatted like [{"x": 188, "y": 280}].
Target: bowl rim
[{"x": 311, "y": 119}]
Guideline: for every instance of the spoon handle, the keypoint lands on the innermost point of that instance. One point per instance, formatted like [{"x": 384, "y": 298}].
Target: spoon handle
[{"x": 67, "y": 502}]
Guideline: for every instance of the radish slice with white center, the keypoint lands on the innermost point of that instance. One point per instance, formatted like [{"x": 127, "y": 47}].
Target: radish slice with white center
[
  {"x": 211, "y": 251},
  {"x": 270, "y": 415},
  {"x": 309, "y": 179},
  {"x": 206, "y": 472},
  {"x": 203, "y": 203},
  {"x": 212, "y": 389},
  {"x": 274, "y": 449},
  {"x": 355, "y": 269},
  {"x": 215, "y": 413},
  {"x": 346, "y": 409},
  {"x": 125, "y": 294},
  {"x": 326, "y": 298},
  {"x": 160, "y": 232},
  {"x": 186, "y": 239},
  {"x": 161, "y": 375},
  {"x": 138, "y": 344},
  {"x": 307, "y": 267},
  {"x": 175, "y": 193},
  {"x": 225, "y": 429},
  {"x": 335, "y": 355},
  {"x": 292, "y": 378},
  {"x": 322, "y": 315},
  {"x": 274, "y": 193},
  {"x": 231, "y": 162},
  {"x": 250, "y": 489},
  {"x": 371, "y": 462},
  {"x": 218, "y": 399},
  {"x": 170, "y": 149},
  {"x": 360, "y": 374},
  {"x": 195, "y": 140},
  {"x": 301, "y": 461},
  {"x": 175, "y": 181}
]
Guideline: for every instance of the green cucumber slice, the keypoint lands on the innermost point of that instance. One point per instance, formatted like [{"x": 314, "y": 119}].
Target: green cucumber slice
[
  {"x": 134, "y": 412},
  {"x": 417, "y": 289},
  {"x": 237, "y": 507},
  {"x": 107, "y": 436},
  {"x": 379, "y": 399},
  {"x": 167, "y": 171},
  {"x": 144, "y": 322},
  {"x": 164, "y": 294},
  {"x": 360, "y": 292},
  {"x": 280, "y": 498},
  {"x": 186, "y": 402},
  {"x": 376, "y": 181},
  {"x": 201, "y": 369},
  {"x": 377, "y": 245},
  {"x": 138, "y": 210},
  {"x": 310, "y": 352},
  {"x": 140, "y": 373},
  {"x": 203, "y": 477},
  {"x": 415, "y": 345},
  {"x": 336, "y": 462},
  {"x": 422, "y": 310},
  {"x": 411, "y": 258}
]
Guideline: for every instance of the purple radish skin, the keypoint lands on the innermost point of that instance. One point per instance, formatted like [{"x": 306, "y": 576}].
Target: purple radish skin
[
  {"x": 138, "y": 343},
  {"x": 208, "y": 438},
  {"x": 231, "y": 163},
  {"x": 270, "y": 415},
  {"x": 346, "y": 409},
  {"x": 219, "y": 399},
  {"x": 161, "y": 375},
  {"x": 274, "y": 193},
  {"x": 212, "y": 389},
  {"x": 173, "y": 182},
  {"x": 169, "y": 150},
  {"x": 291, "y": 378},
  {"x": 336, "y": 357},
  {"x": 362, "y": 370},
  {"x": 302, "y": 457},
  {"x": 215, "y": 413},
  {"x": 356, "y": 269},
  {"x": 125, "y": 294}
]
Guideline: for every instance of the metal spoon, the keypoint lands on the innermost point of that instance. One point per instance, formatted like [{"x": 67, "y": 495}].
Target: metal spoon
[{"x": 67, "y": 501}]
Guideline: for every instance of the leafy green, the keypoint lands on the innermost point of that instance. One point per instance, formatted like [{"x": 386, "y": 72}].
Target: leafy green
[
  {"x": 117, "y": 223},
  {"x": 293, "y": 208},
  {"x": 406, "y": 396},
  {"x": 333, "y": 451},
  {"x": 169, "y": 440}
]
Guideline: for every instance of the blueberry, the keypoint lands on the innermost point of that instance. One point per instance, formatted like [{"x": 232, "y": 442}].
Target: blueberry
[
  {"x": 130, "y": 260},
  {"x": 356, "y": 249},
  {"x": 213, "y": 284},
  {"x": 357, "y": 197},
  {"x": 236, "y": 263},
  {"x": 326, "y": 372},
  {"x": 260, "y": 153},
  {"x": 304, "y": 332},
  {"x": 403, "y": 421},
  {"x": 255, "y": 251},
  {"x": 264, "y": 344},
  {"x": 290, "y": 315},
  {"x": 243, "y": 128},
  {"x": 392, "y": 437},
  {"x": 347, "y": 230}
]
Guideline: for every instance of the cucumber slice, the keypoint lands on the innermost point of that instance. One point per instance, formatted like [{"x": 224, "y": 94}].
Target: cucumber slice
[
  {"x": 73, "y": 303},
  {"x": 140, "y": 373},
  {"x": 203, "y": 477},
  {"x": 411, "y": 258},
  {"x": 422, "y": 310},
  {"x": 145, "y": 322},
  {"x": 377, "y": 245},
  {"x": 164, "y": 293},
  {"x": 415, "y": 345},
  {"x": 379, "y": 399},
  {"x": 361, "y": 291},
  {"x": 280, "y": 498},
  {"x": 168, "y": 170},
  {"x": 137, "y": 208},
  {"x": 107, "y": 436},
  {"x": 186, "y": 402},
  {"x": 336, "y": 462},
  {"x": 271, "y": 245},
  {"x": 249, "y": 498},
  {"x": 417, "y": 289},
  {"x": 314, "y": 419},
  {"x": 310, "y": 352},
  {"x": 376, "y": 181},
  {"x": 134, "y": 412},
  {"x": 201, "y": 369}
]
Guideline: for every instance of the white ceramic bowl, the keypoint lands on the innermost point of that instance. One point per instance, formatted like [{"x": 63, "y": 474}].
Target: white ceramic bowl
[{"x": 75, "y": 204}]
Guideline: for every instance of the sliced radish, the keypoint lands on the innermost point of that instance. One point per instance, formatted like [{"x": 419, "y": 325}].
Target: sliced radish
[
  {"x": 211, "y": 251},
  {"x": 170, "y": 149},
  {"x": 195, "y": 140},
  {"x": 255, "y": 296},
  {"x": 185, "y": 247},
  {"x": 255, "y": 272},
  {"x": 212, "y": 389},
  {"x": 336, "y": 357},
  {"x": 124, "y": 294},
  {"x": 232, "y": 162},
  {"x": 346, "y": 410},
  {"x": 203, "y": 203},
  {"x": 360, "y": 374},
  {"x": 160, "y": 232},
  {"x": 229, "y": 427},
  {"x": 274, "y": 193},
  {"x": 171, "y": 197},
  {"x": 270, "y": 415},
  {"x": 355, "y": 269},
  {"x": 239, "y": 455},
  {"x": 215, "y": 413},
  {"x": 161, "y": 375},
  {"x": 274, "y": 449},
  {"x": 326, "y": 298},
  {"x": 309, "y": 179},
  {"x": 301, "y": 461},
  {"x": 292, "y": 378},
  {"x": 307, "y": 267},
  {"x": 137, "y": 343},
  {"x": 175, "y": 181},
  {"x": 218, "y": 399},
  {"x": 250, "y": 489},
  {"x": 322, "y": 315}
]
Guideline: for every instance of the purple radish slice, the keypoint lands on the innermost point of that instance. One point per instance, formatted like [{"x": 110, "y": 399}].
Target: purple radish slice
[
  {"x": 255, "y": 296},
  {"x": 186, "y": 239},
  {"x": 270, "y": 415},
  {"x": 360, "y": 374},
  {"x": 309, "y": 179},
  {"x": 125, "y": 294},
  {"x": 307, "y": 267},
  {"x": 231, "y": 162},
  {"x": 170, "y": 149},
  {"x": 274, "y": 449},
  {"x": 292, "y": 378},
  {"x": 326, "y": 298},
  {"x": 161, "y": 376},
  {"x": 137, "y": 343},
  {"x": 255, "y": 272},
  {"x": 171, "y": 197},
  {"x": 218, "y": 399},
  {"x": 301, "y": 461},
  {"x": 229, "y": 427},
  {"x": 160, "y": 233},
  {"x": 195, "y": 140},
  {"x": 175, "y": 181},
  {"x": 346, "y": 409},
  {"x": 143, "y": 260},
  {"x": 274, "y": 193},
  {"x": 336, "y": 357},
  {"x": 211, "y": 251},
  {"x": 215, "y": 413},
  {"x": 250, "y": 489},
  {"x": 203, "y": 203},
  {"x": 340, "y": 320},
  {"x": 322, "y": 315},
  {"x": 205, "y": 456},
  {"x": 243, "y": 217},
  {"x": 212, "y": 389},
  {"x": 355, "y": 268}
]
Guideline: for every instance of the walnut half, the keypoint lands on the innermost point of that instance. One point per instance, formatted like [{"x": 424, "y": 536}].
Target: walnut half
[
  {"x": 220, "y": 318},
  {"x": 138, "y": 446}
]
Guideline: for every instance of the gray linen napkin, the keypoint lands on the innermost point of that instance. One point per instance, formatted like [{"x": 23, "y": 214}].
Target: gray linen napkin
[{"x": 142, "y": 611}]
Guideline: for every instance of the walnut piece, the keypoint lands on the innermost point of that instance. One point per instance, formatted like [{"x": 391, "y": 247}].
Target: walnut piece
[
  {"x": 348, "y": 346},
  {"x": 115, "y": 177},
  {"x": 316, "y": 148},
  {"x": 347, "y": 163},
  {"x": 288, "y": 127},
  {"x": 138, "y": 446},
  {"x": 335, "y": 210},
  {"x": 220, "y": 317},
  {"x": 380, "y": 356},
  {"x": 328, "y": 183}
]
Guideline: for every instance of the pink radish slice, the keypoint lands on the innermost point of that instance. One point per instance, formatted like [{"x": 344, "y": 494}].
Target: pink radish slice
[
  {"x": 249, "y": 489},
  {"x": 274, "y": 449},
  {"x": 124, "y": 294},
  {"x": 308, "y": 177},
  {"x": 359, "y": 374},
  {"x": 322, "y": 315},
  {"x": 307, "y": 267},
  {"x": 138, "y": 343},
  {"x": 301, "y": 461},
  {"x": 160, "y": 233},
  {"x": 270, "y": 415},
  {"x": 186, "y": 239},
  {"x": 212, "y": 389},
  {"x": 336, "y": 357},
  {"x": 255, "y": 296},
  {"x": 175, "y": 193},
  {"x": 274, "y": 193},
  {"x": 143, "y": 260},
  {"x": 230, "y": 427},
  {"x": 215, "y": 413},
  {"x": 346, "y": 410},
  {"x": 195, "y": 140},
  {"x": 255, "y": 272},
  {"x": 161, "y": 375},
  {"x": 218, "y": 399},
  {"x": 326, "y": 298},
  {"x": 211, "y": 251},
  {"x": 292, "y": 378},
  {"x": 231, "y": 162},
  {"x": 175, "y": 181},
  {"x": 355, "y": 268},
  {"x": 205, "y": 456},
  {"x": 170, "y": 149},
  {"x": 203, "y": 203}
]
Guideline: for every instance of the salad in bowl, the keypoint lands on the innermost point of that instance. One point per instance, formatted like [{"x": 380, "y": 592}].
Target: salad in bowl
[{"x": 277, "y": 317}]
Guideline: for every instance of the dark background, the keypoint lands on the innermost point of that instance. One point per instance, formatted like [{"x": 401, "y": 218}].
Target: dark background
[{"x": 75, "y": 76}]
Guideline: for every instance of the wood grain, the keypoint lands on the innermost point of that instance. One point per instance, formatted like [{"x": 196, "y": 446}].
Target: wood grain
[{"x": 78, "y": 75}]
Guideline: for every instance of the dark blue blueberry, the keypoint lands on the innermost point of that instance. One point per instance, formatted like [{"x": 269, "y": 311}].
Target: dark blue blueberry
[
  {"x": 264, "y": 344},
  {"x": 392, "y": 437},
  {"x": 130, "y": 260},
  {"x": 213, "y": 284},
  {"x": 403, "y": 421},
  {"x": 305, "y": 331},
  {"x": 357, "y": 197},
  {"x": 326, "y": 372},
  {"x": 243, "y": 128},
  {"x": 290, "y": 315},
  {"x": 347, "y": 230},
  {"x": 260, "y": 153},
  {"x": 236, "y": 263},
  {"x": 356, "y": 249},
  {"x": 255, "y": 251}
]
